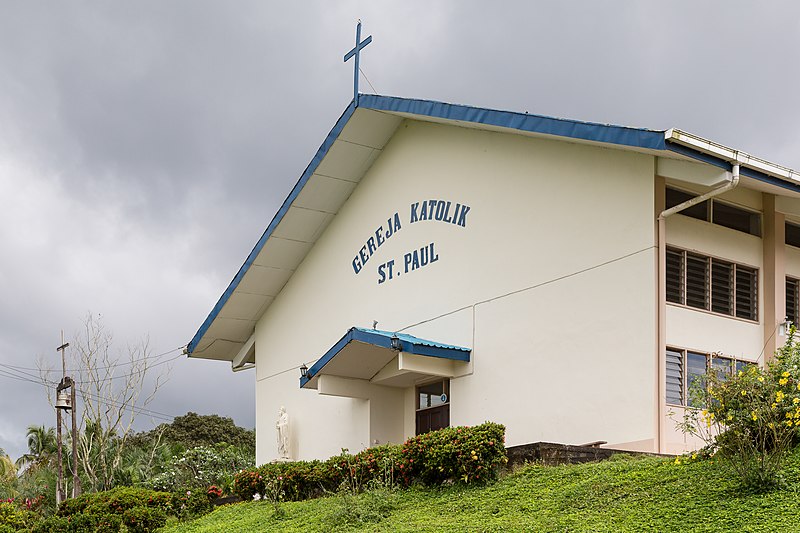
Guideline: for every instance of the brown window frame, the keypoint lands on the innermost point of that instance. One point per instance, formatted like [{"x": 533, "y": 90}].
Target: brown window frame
[
  {"x": 712, "y": 294},
  {"x": 705, "y": 211},
  {"x": 736, "y": 365}
]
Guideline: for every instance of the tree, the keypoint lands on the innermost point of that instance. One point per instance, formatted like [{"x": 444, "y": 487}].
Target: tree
[
  {"x": 111, "y": 388},
  {"x": 192, "y": 430},
  {"x": 8, "y": 470},
  {"x": 41, "y": 447}
]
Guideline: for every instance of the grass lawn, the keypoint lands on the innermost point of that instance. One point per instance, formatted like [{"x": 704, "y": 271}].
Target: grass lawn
[{"x": 623, "y": 494}]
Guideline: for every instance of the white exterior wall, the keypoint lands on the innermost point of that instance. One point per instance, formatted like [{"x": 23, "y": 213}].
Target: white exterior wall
[{"x": 568, "y": 360}]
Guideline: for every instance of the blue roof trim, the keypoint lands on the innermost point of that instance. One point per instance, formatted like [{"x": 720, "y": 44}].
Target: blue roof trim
[
  {"x": 326, "y": 145},
  {"x": 383, "y": 339},
  {"x": 589, "y": 131},
  {"x": 726, "y": 165}
]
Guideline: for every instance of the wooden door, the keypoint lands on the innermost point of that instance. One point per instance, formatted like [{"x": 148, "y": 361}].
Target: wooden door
[{"x": 433, "y": 419}]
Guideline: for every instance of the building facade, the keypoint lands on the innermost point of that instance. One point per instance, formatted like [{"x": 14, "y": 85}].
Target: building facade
[{"x": 446, "y": 265}]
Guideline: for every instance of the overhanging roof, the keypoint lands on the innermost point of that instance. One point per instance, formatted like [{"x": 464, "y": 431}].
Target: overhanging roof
[
  {"x": 356, "y": 141},
  {"x": 364, "y": 353}
]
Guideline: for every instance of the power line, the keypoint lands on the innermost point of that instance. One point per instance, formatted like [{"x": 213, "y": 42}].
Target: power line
[
  {"x": 134, "y": 408},
  {"x": 105, "y": 366}
]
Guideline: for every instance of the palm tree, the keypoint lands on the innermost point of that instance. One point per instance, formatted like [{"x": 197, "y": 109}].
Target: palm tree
[
  {"x": 8, "y": 470},
  {"x": 42, "y": 447}
]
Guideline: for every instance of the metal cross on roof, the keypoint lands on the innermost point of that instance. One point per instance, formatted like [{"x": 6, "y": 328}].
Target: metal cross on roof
[{"x": 356, "y": 51}]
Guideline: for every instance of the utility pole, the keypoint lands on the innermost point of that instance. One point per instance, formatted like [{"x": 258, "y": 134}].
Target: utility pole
[
  {"x": 76, "y": 481},
  {"x": 60, "y": 492}
]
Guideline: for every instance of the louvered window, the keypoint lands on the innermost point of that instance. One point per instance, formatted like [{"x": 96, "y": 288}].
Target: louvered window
[
  {"x": 791, "y": 299},
  {"x": 674, "y": 376},
  {"x": 746, "y": 293},
  {"x": 721, "y": 287},
  {"x": 697, "y": 281},
  {"x": 675, "y": 271},
  {"x": 686, "y": 374},
  {"x": 712, "y": 284}
]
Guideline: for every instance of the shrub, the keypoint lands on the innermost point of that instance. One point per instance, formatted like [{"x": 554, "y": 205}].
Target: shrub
[
  {"x": 15, "y": 518},
  {"x": 751, "y": 419},
  {"x": 190, "y": 504},
  {"x": 144, "y": 519},
  {"x": 459, "y": 454},
  {"x": 248, "y": 483},
  {"x": 116, "y": 501},
  {"x": 53, "y": 524}
]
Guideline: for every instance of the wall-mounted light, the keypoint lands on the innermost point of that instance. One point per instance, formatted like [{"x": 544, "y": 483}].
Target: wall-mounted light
[
  {"x": 303, "y": 370},
  {"x": 396, "y": 344},
  {"x": 783, "y": 327}
]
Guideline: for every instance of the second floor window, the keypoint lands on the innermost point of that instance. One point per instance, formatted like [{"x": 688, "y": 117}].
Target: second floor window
[{"x": 719, "y": 286}]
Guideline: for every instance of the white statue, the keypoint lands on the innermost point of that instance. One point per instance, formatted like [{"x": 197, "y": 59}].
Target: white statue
[{"x": 282, "y": 425}]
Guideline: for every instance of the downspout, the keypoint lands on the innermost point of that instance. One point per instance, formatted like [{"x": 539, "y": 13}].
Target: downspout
[{"x": 661, "y": 363}]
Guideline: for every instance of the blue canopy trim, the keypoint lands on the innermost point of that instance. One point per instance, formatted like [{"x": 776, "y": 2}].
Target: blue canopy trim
[{"x": 383, "y": 339}]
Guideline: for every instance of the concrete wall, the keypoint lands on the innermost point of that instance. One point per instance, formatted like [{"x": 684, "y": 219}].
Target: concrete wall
[{"x": 551, "y": 282}]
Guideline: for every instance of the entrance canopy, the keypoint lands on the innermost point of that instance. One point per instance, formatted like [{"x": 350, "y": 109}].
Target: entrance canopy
[{"x": 386, "y": 358}]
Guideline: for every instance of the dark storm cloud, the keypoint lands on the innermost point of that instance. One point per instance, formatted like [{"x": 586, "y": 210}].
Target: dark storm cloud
[{"x": 145, "y": 146}]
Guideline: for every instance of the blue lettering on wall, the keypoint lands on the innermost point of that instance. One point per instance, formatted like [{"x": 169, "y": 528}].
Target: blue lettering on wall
[
  {"x": 433, "y": 209},
  {"x": 376, "y": 241},
  {"x": 439, "y": 210}
]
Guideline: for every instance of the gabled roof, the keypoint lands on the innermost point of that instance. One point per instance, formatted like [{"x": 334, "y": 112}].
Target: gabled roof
[{"x": 356, "y": 141}]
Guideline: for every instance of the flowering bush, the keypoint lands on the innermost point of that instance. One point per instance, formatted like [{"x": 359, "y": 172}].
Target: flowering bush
[
  {"x": 464, "y": 454},
  {"x": 460, "y": 454},
  {"x": 214, "y": 492},
  {"x": 144, "y": 519},
  {"x": 751, "y": 419},
  {"x": 201, "y": 466}
]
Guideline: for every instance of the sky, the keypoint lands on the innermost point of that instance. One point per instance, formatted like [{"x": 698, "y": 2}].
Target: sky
[{"x": 145, "y": 146}]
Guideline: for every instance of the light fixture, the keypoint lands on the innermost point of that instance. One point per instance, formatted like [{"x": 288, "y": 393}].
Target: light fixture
[
  {"x": 783, "y": 327},
  {"x": 303, "y": 370},
  {"x": 396, "y": 344}
]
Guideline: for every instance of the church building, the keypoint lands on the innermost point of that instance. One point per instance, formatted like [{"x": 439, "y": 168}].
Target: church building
[{"x": 440, "y": 264}]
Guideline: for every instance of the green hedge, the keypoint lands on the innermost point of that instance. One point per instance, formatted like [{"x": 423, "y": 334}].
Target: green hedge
[
  {"x": 139, "y": 510},
  {"x": 459, "y": 454}
]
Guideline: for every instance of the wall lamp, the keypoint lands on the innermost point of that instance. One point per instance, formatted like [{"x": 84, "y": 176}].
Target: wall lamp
[
  {"x": 396, "y": 344},
  {"x": 783, "y": 327}
]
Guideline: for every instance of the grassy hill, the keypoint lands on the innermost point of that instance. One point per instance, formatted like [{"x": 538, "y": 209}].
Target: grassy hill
[{"x": 623, "y": 494}]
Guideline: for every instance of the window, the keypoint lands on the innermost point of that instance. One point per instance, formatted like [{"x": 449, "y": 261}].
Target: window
[
  {"x": 792, "y": 286},
  {"x": 712, "y": 284},
  {"x": 686, "y": 369},
  {"x": 719, "y": 213},
  {"x": 792, "y": 234},
  {"x": 432, "y": 394}
]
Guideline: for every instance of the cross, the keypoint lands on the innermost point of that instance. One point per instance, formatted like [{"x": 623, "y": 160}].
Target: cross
[{"x": 356, "y": 51}]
